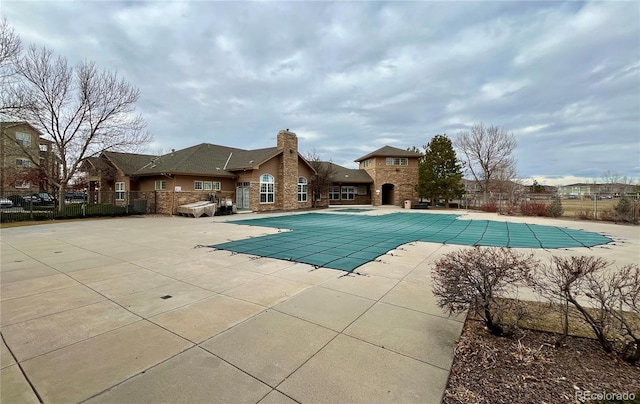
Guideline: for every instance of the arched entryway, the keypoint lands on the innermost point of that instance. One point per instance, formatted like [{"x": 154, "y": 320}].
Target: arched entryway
[{"x": 387, "y": 194}]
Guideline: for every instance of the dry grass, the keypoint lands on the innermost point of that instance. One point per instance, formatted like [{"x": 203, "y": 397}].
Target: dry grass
[
  {"x": 549, "y": 318},
  {"x": 572, "y": 207}
]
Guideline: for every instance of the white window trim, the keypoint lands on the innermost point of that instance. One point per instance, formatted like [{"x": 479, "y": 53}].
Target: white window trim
[
  {"x": 120, "y": 191},
  {"x": 267, "y": 188},
  {"x": 397, "y": 161},
  {"x": 198, "y": 186},
  {"x": 26, "y": 142},
  {"x": 334, "y": 190},
  {"x": 162, "y": 187},
  {"x": 303, "y": 190},
  {"x": 347, "y": 190}
]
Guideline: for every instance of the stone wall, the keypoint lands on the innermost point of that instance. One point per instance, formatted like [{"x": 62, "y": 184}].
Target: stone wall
[{"x": 403, "y": 179}]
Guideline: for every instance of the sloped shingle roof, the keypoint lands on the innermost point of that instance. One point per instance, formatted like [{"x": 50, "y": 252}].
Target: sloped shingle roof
[
  {"x": 129, "y": 163},
  {"x": 347, "y": 175},
  {"x": 389, "y": 151},
  {"x": 207, "y": 158}
]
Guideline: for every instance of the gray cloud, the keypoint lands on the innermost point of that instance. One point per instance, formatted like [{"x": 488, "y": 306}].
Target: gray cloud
[{"x": 350, "y": 77}]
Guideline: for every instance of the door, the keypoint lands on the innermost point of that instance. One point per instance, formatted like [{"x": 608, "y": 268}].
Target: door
[{"x": 242, "y": 198}]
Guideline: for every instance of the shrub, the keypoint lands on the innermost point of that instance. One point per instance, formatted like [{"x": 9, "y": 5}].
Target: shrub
[
  {"x": 608, "y": 300},
  {"x": 533, "y": 209},
  {"x": 478, "y": 279},
  {"x": 584, "y": 214},
  {"x": 625, "y": 211},
  {"x": 554, "y": 209},
  {"x": 490, "y": 206}
]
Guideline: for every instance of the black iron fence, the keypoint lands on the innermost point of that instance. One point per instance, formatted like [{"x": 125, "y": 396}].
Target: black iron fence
[{"x": 25, "y": 206}]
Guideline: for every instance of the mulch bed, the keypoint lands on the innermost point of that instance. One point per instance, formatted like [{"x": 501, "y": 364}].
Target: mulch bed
[{"x": 533, "y": 367}]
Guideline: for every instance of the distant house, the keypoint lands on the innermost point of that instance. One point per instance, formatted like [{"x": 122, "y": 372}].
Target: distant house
[
  {"x": 27, "y": 160},
  {"x": 275, "y": 178}
]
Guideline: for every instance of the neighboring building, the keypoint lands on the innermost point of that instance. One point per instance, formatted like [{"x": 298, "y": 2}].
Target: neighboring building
[
  {"x": 275, "y": 178},
  {"x": 584, "y": 190},
  {"x": 28, "y": 161},
  {"x": 394, "y": 173}
]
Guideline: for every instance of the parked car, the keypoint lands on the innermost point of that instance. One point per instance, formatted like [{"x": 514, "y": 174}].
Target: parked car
[
  {"x": 75, "y": 197},
  {"x": 31, "y": 200},
  {"x": 6, "y": 203},
  {"x": 17, "y": 200},
  {"x": 46, "y": 199}
]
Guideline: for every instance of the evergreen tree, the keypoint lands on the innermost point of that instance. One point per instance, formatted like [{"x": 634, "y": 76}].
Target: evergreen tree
[{"x": 440, "y": 172}]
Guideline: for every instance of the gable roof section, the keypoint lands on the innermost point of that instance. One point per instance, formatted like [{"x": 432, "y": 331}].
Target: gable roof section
[
  {"x": 128, "y": 163},
  {"x": 346, "y": 175},
  {"x": 389, "y": 151},
  {"x": 251, "y": 159},
  {"x": 11, "y": 124}
]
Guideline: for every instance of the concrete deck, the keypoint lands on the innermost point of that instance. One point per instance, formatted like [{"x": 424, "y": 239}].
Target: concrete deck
[{"x": 132, "y": 310}]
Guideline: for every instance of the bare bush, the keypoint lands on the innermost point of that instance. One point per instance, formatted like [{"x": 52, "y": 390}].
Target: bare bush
[
  {"x": 533, "y": 209},
  {"x": 606, "y": 298},
  {"x": 479, "y": 279}
]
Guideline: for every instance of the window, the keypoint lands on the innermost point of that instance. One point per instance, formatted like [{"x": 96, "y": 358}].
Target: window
[
  {"x": 23, "y": 185},
  {"x": 23, "y": 139},
  {"x": 198, "y": 186},
  {"x": 211, "y": 186},
  {"x": 362, "y": 189},
  {"x": 397, "y": 161},
  {"x": 334, "y": 193},
  {"x": 161, "y": 185},
  {"x": 267, "y": 188},
  {"x": 367, "y": 163},
  {"x": 302, "y": 189},
  {"x": 348, "y": 192},
  {"x": 23, "y": 163},
  {"x": 44, "y": 147},
  {"x": 119, "y": 191}
]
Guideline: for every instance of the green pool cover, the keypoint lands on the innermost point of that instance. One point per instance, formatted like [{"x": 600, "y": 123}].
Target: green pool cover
[{"x": 344, "y": 242}]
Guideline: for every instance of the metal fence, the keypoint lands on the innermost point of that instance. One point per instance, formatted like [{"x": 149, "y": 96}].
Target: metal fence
[
  {"x": 593, "y": 207},
  {"x": 26, "y": 206}
]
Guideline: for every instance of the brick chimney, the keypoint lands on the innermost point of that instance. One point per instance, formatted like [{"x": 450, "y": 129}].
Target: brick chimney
[{"x": 288, "y": 143}]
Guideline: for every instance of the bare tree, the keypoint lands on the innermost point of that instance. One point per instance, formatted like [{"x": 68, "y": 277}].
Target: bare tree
[
  {"x": 489, "y": 154},
  {"x": 82, "y": 109},
  {"x": 324, "y": 171},
  {"x": 10, "y": 50}
]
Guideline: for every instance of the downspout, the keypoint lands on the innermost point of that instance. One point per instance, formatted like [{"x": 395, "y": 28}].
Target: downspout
[{"x": 228, "y": 158}]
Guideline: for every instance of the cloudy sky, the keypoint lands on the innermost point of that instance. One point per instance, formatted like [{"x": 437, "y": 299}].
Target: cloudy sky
[{"x": 351, "y": 77}]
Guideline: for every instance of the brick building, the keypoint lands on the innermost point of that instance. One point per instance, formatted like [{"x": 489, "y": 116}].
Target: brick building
[
  {"x": 276, "y": 178},
  {"x": 28, "y": 163}
]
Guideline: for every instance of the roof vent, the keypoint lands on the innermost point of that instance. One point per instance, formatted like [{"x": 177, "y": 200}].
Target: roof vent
[{"x": 250, "y": 161}]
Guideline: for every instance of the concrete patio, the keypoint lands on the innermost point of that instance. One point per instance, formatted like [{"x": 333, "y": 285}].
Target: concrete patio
[{"x": 135, "y": 310}]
